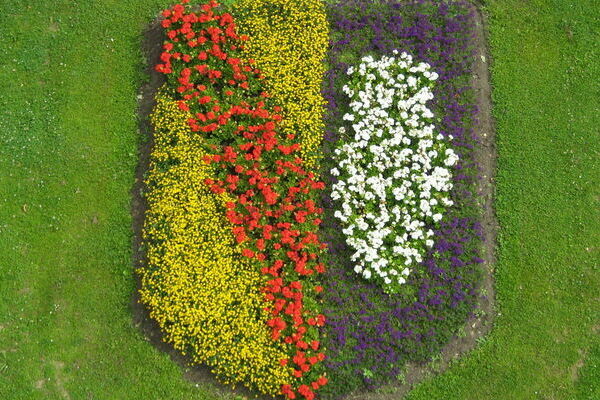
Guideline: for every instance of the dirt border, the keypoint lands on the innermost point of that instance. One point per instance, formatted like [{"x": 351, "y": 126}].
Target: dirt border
[{"x": 485, "y": 155}]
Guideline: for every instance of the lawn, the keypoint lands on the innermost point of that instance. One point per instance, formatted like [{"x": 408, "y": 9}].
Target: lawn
[{"x": 68, "y": 151}]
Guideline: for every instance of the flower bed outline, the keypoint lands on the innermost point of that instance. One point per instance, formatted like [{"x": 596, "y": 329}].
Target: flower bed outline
[{"x": 137, "y": 210}]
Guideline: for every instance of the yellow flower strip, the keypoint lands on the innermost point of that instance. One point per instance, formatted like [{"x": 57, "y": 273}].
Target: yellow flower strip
[
  {"x": 205, "y": 297},
  {"x": 289, "y": 41}
]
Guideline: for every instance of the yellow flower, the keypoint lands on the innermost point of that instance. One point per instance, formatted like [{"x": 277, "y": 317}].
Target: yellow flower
[
  {"x": 288, "y": 41},
  {"x": 205, "y": 297}
]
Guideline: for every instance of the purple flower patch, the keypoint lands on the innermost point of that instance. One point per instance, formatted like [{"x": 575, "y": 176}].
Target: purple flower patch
[{"x": 370, "y": 335}]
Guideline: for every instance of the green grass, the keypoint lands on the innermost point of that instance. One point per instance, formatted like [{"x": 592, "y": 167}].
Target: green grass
[
  {"x": 545, "y": 81},
  {"x": 68, "y": 149}
]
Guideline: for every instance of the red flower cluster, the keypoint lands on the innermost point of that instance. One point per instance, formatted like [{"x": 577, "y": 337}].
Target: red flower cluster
[{"x": 275, "y": 215}]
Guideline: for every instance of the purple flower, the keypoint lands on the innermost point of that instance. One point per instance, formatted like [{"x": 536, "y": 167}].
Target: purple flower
[{"x": 370, "y": 335}]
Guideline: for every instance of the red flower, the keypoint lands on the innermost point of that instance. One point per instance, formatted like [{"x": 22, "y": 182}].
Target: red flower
[
  {"x": 209, "y": 128},
  {"x": 300, "y": 216},
  {"x": 296, "y": 285},
  {"x": 248, "y": 253},
  {"x": 204, "y": 99},
  {"x": 305, "y": 391},
  {"x": 299, "y": 358},
  {"x": 302, "y": 345},
  {"x": 287, "y": 391},
  {"x": 270, "y": 201}
]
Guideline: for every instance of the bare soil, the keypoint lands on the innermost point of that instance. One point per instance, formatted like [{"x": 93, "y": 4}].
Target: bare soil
[{"x": 474, "y": 329}]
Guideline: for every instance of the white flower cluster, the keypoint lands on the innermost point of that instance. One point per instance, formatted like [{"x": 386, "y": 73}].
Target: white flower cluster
[{"x": 393, "y": 170}]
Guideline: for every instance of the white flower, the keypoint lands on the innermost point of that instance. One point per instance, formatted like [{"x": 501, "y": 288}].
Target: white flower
[{"x": 395, "y": 165}]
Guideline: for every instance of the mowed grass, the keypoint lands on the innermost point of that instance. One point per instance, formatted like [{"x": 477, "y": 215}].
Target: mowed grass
[
  {"x": 68, "y": 149},
  {"x": 69, "y": 77},
  {"x": 546, "y": 341}
]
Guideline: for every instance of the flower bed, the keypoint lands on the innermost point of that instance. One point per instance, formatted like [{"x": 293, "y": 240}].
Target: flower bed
[
  {"x": 238, "y": 276},
  {"x": 288, "y": 40},
  {"x": 203, "y": 294}
]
